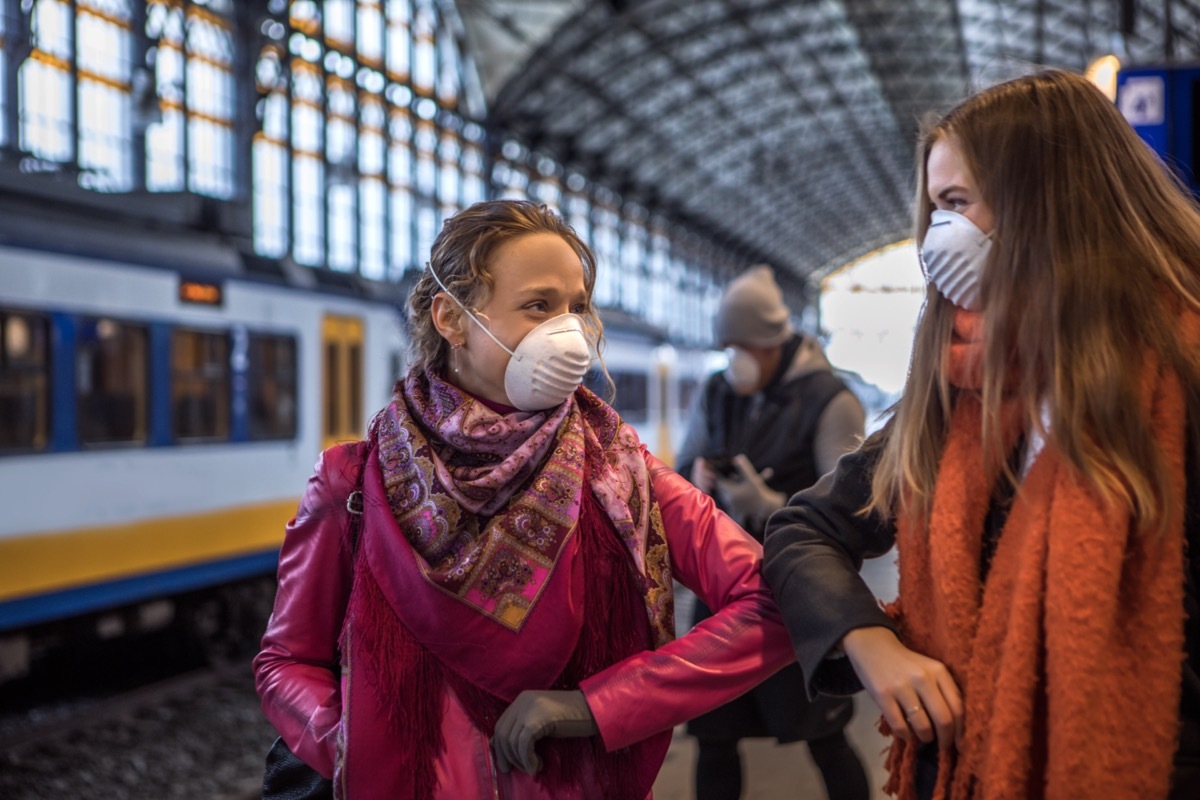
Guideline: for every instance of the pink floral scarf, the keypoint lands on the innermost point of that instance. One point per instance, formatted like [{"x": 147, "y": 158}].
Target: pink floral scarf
[{"x": 490, "y": 501}]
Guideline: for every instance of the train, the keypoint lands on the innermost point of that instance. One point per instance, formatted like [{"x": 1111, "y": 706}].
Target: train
[{"x": 157, "y": 426}]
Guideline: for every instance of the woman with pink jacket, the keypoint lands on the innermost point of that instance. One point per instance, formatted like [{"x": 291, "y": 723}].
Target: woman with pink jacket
[{"x": 501, "y": 624}]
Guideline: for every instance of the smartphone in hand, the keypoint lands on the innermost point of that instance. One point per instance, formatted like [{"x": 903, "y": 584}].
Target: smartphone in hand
[{"x": 722, "y": 465}]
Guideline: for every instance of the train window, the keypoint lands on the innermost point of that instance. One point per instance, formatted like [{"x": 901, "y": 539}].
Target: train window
[
  {"x": 199, "y": 385},
  {"x": 633, "y": 396},
  {"x": 111, "y": 386},
  {"x": 272, "y": 387},
  {"x": 597, "y": 381},
  {"x": 24, "y": 381},
  {"x": 687, "y": 392}
]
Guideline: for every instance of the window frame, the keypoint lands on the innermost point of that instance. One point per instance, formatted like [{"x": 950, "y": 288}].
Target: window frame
[{"x": 46, "y": 373}]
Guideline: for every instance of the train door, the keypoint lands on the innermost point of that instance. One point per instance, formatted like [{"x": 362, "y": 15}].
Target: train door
[
  {"x": 661, "y": 400},
  {"x": 341, "y": 379}
]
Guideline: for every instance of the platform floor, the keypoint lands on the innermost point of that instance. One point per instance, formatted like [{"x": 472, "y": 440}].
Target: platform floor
[
  {"x": 785, "y": 772},
  {"x": 777, "y": 772}
]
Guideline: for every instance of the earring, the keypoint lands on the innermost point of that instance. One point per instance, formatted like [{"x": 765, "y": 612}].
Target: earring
[{"x": 454, "y": 348}]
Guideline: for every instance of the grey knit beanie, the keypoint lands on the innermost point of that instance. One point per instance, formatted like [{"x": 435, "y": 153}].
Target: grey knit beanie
[{"x": 752, "y": 311}]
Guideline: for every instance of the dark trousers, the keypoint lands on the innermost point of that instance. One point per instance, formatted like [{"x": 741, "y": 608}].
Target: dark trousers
[{"x": 719, "y": 769}]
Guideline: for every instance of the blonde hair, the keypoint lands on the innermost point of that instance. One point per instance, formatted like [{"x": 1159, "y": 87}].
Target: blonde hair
[
  {"x": 462, "y": 259},
  {"x": 1096, "y": 250}
]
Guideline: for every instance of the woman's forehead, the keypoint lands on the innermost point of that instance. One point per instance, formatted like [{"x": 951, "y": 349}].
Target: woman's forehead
[
  {"x": 541, "y": 260},
  {"x": 946, "y": 165}
]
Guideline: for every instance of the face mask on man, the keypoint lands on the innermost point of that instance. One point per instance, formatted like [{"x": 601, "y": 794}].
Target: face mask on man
[
  {"x": 743, "y": 372},
  {"x": 953, "y": 256},
  {"x": 548, "y": 364}
]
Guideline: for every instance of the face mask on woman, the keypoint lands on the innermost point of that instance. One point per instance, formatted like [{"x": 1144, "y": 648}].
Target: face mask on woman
[
  {"x": 743, "y": 372},
  {"x": 953, "y": 256},
  {"x": 548, "y": 364}
]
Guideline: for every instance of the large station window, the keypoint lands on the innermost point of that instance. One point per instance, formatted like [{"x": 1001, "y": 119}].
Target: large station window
[
  {"x": 125, "y": 91},
  {"x": 199, "y": 385},
  {"x": 75, "y": 89},
  {"x": 634, "y": 297},
  {"x": 272, "y": 373},
  {"x": 111, "y": 387},
  {"x": 607, "y": 245},
  {"x": 24, "y": 381},
  {"x": 361, "y": 134},
  {"x": 192, "y": 146},
  {"x": 47, "y": 86},
  {"x": 103, "y": 30}
]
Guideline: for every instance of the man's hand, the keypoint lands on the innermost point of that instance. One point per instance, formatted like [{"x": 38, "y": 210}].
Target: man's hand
[{"x": 747, "y": 497}]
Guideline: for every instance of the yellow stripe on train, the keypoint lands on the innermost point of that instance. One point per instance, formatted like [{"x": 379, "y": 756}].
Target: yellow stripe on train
[{"x": 52, "y": 561}]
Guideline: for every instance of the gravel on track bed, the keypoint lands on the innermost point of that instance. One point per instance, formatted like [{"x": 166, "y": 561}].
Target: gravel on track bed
[{"x": 207, "y": 746}]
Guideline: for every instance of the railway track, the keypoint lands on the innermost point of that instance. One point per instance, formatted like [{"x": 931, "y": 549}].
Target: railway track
[
  {"x": 198, "y": 733},
  {"x": 47, "y": 724}
]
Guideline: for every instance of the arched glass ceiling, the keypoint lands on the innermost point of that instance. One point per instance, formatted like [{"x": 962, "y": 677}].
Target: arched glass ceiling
[{"x": 783, "y": 127}]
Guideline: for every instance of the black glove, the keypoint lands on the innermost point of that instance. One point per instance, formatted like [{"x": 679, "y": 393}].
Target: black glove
[{"x": 534, "y": 715}]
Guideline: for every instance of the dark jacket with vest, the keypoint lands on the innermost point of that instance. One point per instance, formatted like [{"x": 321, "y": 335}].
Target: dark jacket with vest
[{"x": 797, "y": 427}]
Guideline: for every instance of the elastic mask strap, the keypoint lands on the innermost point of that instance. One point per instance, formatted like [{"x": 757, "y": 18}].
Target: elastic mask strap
[{"x": 482, "y": 327}]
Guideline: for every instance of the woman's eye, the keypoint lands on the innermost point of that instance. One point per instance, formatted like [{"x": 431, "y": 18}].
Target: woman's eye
[
  {"x": 580, "y": 309},
  {"x": 536, "y": 305}
]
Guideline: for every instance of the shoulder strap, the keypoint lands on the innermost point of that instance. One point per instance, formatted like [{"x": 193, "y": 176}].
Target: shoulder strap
[{"x": 354, "y": 501}]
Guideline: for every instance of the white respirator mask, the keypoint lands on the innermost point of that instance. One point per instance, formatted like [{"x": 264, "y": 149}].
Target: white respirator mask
[
  {"x": 743, "y": 372},
  {"x": 953, "y": 256},
  {"x": 548, "y": 364}
]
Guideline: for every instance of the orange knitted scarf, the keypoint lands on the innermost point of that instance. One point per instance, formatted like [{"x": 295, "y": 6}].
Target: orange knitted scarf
[{"x": 1069, "y": 656}]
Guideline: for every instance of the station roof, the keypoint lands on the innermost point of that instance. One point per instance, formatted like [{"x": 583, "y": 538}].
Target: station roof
[{"x": 784, "y": 129}]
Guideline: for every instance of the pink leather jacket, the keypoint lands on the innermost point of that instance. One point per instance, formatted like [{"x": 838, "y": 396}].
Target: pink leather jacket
[{"x": 726, "y": 655}]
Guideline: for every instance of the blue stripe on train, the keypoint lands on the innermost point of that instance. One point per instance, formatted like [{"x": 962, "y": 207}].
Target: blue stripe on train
[{"x": 40, "y": 608}]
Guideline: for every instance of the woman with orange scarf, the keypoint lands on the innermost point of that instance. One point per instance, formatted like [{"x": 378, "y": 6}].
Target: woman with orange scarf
[
  {"x": 1038, "y": 477},
  {"x": 501, "y": 623}
]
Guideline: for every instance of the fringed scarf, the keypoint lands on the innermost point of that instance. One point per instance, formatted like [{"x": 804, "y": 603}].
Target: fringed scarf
[
  {"x": 1069, "y": 657},
  {"x": 471, "y": 570}
]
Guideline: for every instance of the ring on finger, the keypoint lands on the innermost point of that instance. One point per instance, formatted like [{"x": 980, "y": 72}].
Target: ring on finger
[{"x": 908, "y": 712}]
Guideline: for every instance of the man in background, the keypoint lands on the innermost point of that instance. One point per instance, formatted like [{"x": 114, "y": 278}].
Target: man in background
[{"x": 770, "y": 424}]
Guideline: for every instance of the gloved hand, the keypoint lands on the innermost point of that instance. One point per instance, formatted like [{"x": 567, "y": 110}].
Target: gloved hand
[
  {"x": 533, "y": 716},
  {"x": 747, "y": 497}
]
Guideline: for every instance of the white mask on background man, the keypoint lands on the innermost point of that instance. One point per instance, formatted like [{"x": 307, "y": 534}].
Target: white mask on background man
[
  {"x": 743, "y": 372},
  {"x": 953, "y": 256},
  {"x": 548, "y": 364}
]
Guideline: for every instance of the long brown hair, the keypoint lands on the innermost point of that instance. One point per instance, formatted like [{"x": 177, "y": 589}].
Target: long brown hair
[
  {"x": 462, "y": 258},
  {"x": 1096, "y": 250}
]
